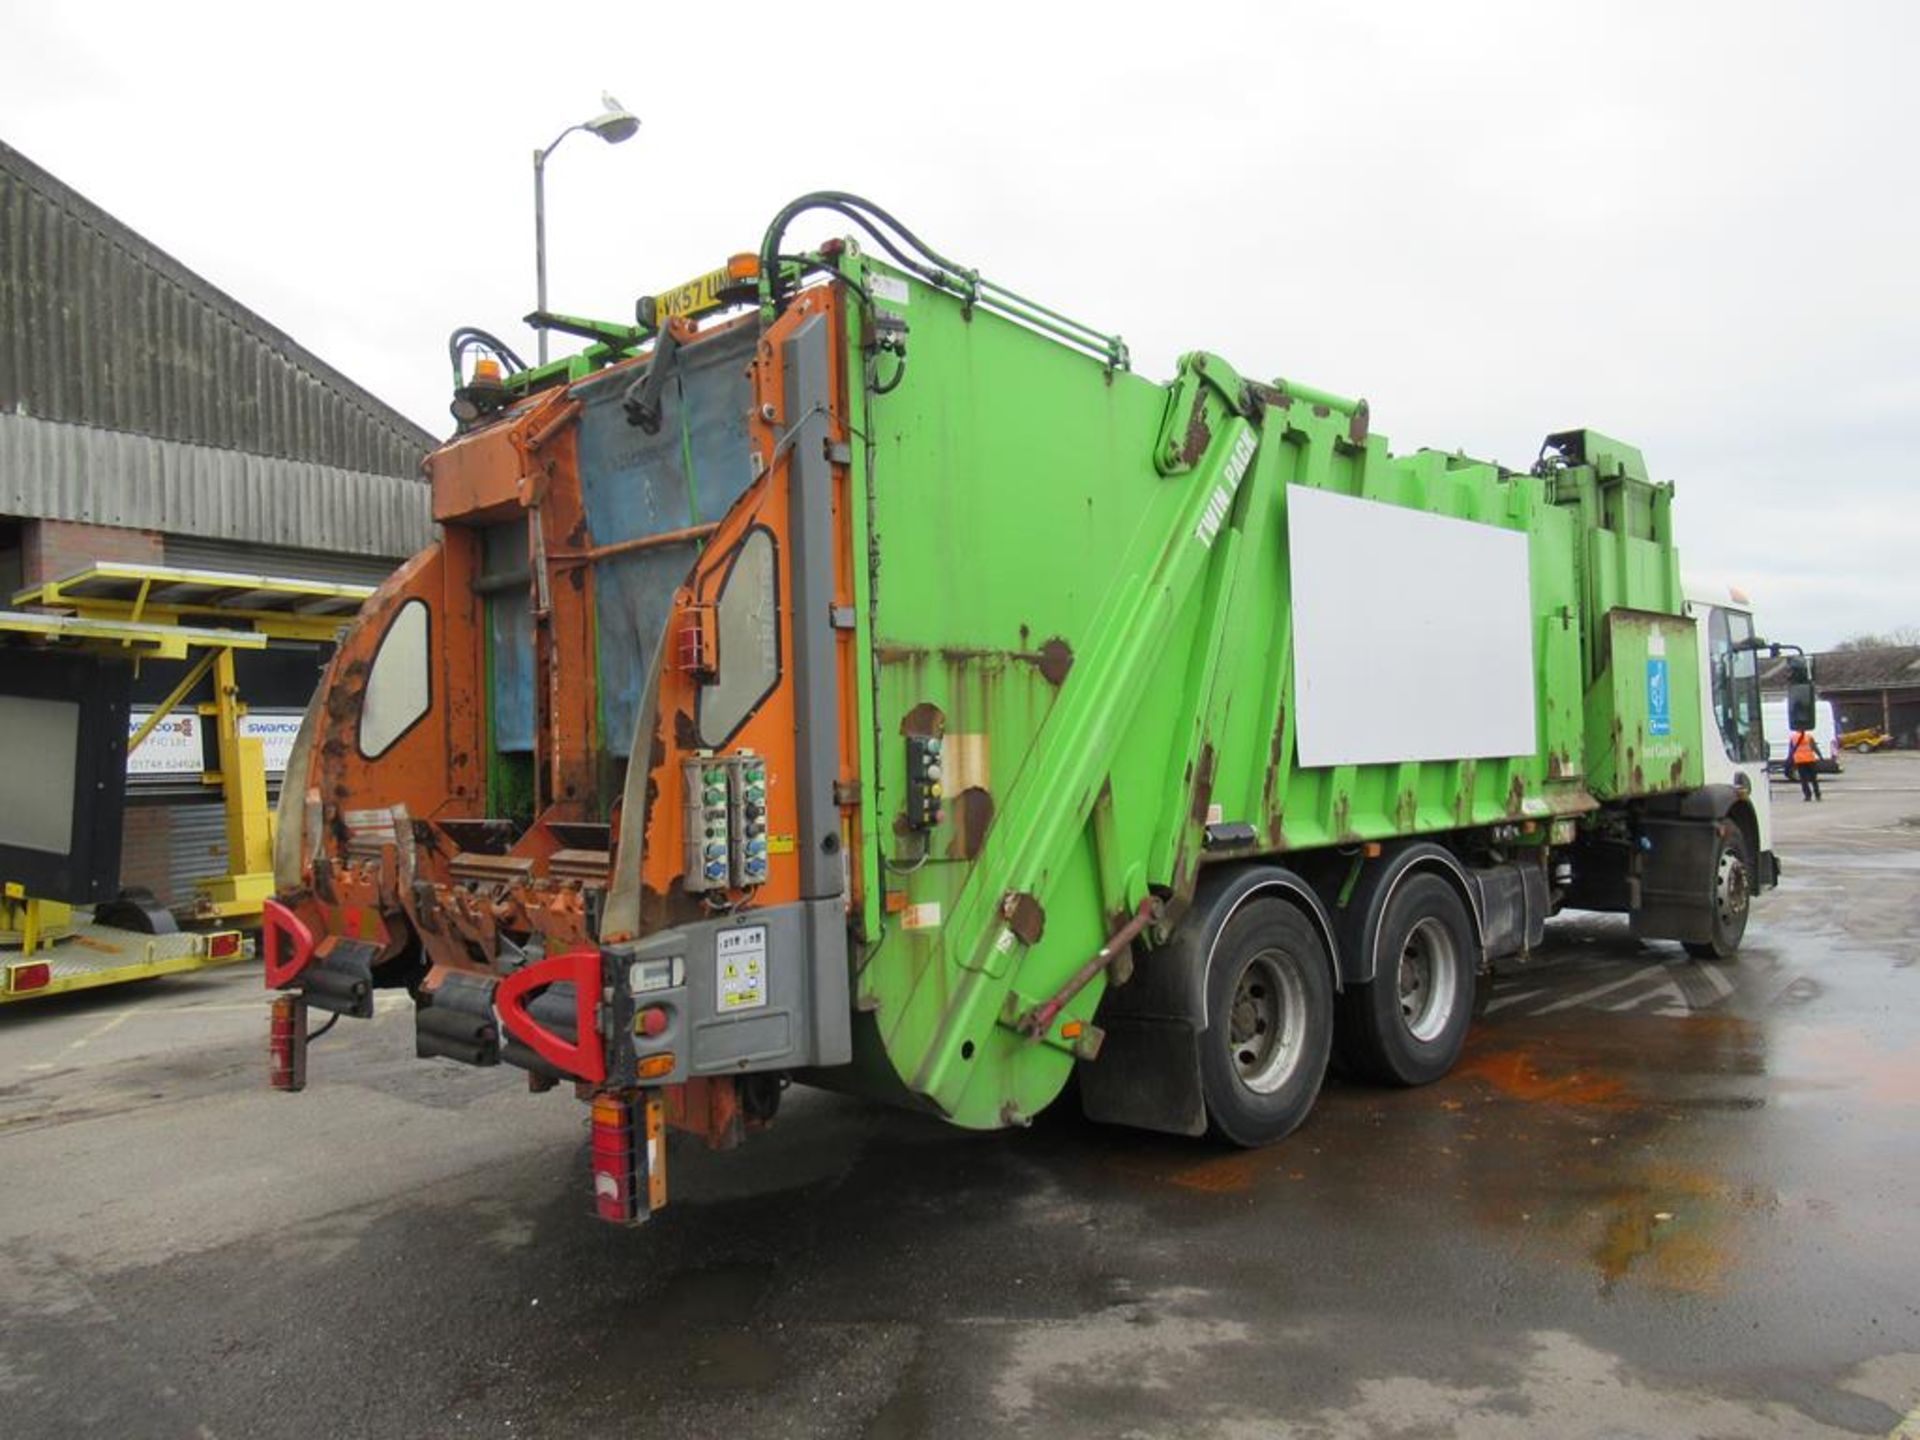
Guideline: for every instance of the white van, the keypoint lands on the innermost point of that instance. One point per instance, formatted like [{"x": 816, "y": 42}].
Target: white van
[{"x": 1773, "y": 722}]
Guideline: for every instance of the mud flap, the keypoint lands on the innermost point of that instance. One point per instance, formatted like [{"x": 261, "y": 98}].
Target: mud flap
[
  {"x": 1677, "y": 879},
  {"x": 1147, "y": 1076}
]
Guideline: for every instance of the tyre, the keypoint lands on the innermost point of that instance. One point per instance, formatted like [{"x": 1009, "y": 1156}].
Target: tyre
[
  {"x": 1407, "y": 1026},
  {"x": 1269, "y": 1024},
  {"x": 1732, "y": 894}
]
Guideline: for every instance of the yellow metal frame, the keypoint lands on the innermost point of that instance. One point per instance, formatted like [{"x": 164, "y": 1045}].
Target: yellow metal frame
[
  {"x": 159, "y": 612},
  {"x": 144, "y": 639},
  {"x": 171, "y": 596},
  {"x": 36, "y": 922}
]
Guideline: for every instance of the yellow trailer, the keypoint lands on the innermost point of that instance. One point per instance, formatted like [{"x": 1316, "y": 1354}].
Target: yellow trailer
[{"x": 158, "y": 614}]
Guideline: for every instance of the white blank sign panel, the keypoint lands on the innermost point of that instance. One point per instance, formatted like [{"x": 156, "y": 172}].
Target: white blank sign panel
[
  {"x": 36, "y": 784},
  {"x": 1412, "y": 634}
]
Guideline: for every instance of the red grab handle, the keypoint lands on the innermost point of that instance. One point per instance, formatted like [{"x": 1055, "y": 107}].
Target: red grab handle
[
  {"x": 584, "y": 1057},
  {"x": 277, "y": 921}
]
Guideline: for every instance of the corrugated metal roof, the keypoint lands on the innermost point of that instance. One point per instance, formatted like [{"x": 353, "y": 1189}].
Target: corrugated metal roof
[
  {"x": 203, "y": 553},
  {"x": 100, "y": 327},
  {"x": 105, "y": 477},
  {"x": 1889, "y": 667}
]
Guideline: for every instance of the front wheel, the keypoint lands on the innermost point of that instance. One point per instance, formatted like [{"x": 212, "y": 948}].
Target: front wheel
[
  {"x": 1406, "y": 1027},
  {"x": 1732, "y": 897},
  {"x": 1269, "y": 1024}
]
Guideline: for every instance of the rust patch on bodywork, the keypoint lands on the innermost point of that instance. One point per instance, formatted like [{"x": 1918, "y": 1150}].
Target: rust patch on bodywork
[
  {"x": 925, "y": 721},
  {"x": 1202, "y": 786},
  {"x": 1056, "y": 659},
  {"x": 1517, "y": 794},
  {"x": 972, "y": 815},
  {"x": 1198, "y": 437},
  {"x": 1025, "y": 916},
  {"x": 1342, "y": 814}
]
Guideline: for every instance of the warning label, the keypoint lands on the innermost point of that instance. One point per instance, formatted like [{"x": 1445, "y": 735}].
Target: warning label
[{"x": 741, "y": 958}]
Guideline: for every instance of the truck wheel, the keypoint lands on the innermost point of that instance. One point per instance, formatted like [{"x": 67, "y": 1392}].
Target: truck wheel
[
  {"x": 1732, "y": 894},
  {"x": 1407, "y": 1026},
  {"x": 1269, "y": 1024}
]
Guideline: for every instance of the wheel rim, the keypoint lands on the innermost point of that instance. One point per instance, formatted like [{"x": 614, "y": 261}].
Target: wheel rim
[
  {"x": 1730, "y": 891},
  {"x": 1427, "y": 980},
  {"x": 1267, "y": 1026}
]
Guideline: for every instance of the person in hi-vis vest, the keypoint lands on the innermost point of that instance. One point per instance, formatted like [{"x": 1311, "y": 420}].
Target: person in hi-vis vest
[{"x": 1806, "y": 763}]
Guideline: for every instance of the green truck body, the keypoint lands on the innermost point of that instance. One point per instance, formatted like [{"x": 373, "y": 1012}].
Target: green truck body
[{"x": 1107, "y": 670}]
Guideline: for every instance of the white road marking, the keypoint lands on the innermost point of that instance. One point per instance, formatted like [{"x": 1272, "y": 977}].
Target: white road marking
[
  {"x": 1636, "y": 978},
  {"x": 1506, "y": 1000},
  {"x": 92, "y": 1035}
]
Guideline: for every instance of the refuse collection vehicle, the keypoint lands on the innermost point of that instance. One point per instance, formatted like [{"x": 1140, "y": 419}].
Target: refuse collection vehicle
[{"x": 852, "y": 673}]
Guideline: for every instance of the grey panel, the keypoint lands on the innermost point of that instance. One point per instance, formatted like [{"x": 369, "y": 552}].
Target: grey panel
[
  {"x": 104, "y": 477},
  {"x": 99, "y": 326},
  {"x": 797, "y": 1013},
  {"x": 816, "y": 678}
]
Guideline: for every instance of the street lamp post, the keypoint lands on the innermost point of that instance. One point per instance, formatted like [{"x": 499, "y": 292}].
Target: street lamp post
[{"x": 613, "y": 126}]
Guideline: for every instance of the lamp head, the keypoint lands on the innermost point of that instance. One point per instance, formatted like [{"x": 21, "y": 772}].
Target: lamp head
[{"x": 616, "y": 124}]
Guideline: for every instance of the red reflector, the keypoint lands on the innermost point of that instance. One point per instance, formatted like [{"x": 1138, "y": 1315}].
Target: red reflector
[
  {"x": 223, "y": 944},
  {"x": 33, "y": 975}
]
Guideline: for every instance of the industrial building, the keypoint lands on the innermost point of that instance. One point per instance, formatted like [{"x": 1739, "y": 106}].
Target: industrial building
[
  {"x": 147, "y": 417},
  {"x": 1874, "y": 687}
]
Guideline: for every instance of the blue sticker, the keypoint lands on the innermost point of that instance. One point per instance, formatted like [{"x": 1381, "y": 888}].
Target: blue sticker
[{"x": 1659, "y": 698}]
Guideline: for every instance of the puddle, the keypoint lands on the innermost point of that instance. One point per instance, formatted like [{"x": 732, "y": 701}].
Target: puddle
[{"x": 1848, "y": 1062}]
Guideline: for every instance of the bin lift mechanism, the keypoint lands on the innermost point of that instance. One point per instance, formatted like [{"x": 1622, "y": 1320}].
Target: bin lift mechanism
[{"x": 154, "y": 612}]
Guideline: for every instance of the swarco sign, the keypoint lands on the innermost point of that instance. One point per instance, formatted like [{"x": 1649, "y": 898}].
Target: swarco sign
[{"x": 175, "y": 746}]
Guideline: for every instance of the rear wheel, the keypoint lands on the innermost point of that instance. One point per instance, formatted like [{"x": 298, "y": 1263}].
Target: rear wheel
[
  {"x": 1732, "y": 896},
  {"x": 1407, "y": 1026},
  {"x": 1269, "y": 1024}
]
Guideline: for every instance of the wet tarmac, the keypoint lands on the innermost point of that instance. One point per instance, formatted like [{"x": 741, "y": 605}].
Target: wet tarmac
[{"x": 1656, "y": 1198}]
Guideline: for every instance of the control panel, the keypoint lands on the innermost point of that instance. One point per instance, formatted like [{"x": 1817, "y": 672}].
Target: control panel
[
  {"x": 748, "y": 819},
  {"x": 726, "y": 822},
  {"x": 925, "y": 794}
]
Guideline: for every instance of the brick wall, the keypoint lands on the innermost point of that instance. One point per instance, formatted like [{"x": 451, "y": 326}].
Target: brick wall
[
  {"x": 146, "y": 849},
  {"x": 52, "y": 548}
]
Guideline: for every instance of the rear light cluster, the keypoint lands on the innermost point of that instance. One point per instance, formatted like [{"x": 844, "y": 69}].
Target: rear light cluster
[
  {"x": 287, "y": 1043},
  {"x": 726, "y": 822},
  {"x": 29, "y": 975},
  {"x": 629, "y": 1150}
]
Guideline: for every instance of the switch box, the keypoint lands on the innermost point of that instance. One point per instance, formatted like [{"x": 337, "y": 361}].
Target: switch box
[
  {"x": 926, "y": 795},
  {"x": 748, "y": 819},
  {"x": 709, "y": 823}
]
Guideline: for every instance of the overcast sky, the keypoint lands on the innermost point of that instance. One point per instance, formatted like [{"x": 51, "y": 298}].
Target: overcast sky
[{"x": 1692, "y": 226}]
